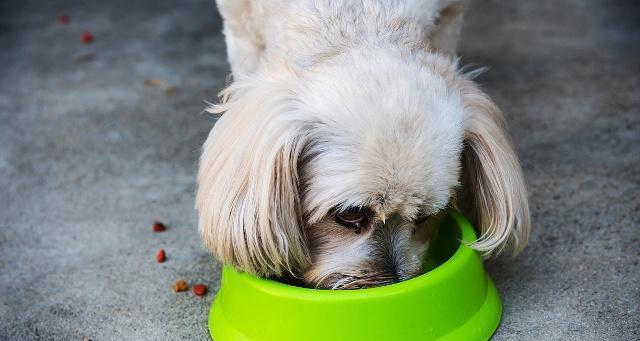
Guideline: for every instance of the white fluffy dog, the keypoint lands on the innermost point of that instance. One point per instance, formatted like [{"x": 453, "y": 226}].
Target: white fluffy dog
[{"x": 347, "y": 129}]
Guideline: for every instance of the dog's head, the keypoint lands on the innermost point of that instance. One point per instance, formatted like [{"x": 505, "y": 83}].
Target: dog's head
[{"x": 335, "y": 174}]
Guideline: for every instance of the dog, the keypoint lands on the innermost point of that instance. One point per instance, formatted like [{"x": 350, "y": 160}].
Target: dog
[{"x": 346, "y": 133}]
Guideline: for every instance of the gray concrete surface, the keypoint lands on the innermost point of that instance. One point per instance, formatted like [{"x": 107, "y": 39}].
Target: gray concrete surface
[{"x": 89, "y": 157}]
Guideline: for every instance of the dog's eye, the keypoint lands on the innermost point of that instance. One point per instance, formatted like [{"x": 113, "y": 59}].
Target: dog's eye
[{"x": 355, "y": 218}]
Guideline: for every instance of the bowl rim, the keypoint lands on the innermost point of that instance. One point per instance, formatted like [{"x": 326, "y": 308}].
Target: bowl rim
[{"x": 458, "y": 259}]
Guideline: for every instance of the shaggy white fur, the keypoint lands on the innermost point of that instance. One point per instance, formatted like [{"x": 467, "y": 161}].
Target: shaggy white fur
[{"x": 347, "y": 124}]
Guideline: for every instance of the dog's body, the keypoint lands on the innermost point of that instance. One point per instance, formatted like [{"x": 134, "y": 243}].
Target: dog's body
[
  {"x": 347, "y": 130},
  {"x": 310, "y": 32}
]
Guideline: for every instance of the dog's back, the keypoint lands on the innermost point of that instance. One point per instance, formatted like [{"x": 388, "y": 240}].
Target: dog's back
[{"x": 254, "y": 28}]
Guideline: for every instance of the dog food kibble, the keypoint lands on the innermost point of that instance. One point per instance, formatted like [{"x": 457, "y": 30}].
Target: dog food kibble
[
  {"x": 63, "y": 19},
  {"x": 200, "y": 289},
  {"x": 170, "y": 90},
  {"x": 180, "y": 285},
  {"x": 158, "y": 227},
  {"x": 152, "y": 82},
  {"x": 87, "y": 37},
  {"x": 161, "y": 256}
]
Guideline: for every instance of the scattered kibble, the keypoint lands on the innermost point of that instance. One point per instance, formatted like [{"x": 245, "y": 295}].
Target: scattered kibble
[
  {"x": 180, "y": 286},
  {"x": 200, "y": 289},
  {"x": 161, "y": 256},
  {"x": 170, "y": 90},
  {"x": 86, "y": 37},
  {"x": 152, "y": 82},
  {"x": 63, "y": 19},
  {"x": 158, "y": 227}
]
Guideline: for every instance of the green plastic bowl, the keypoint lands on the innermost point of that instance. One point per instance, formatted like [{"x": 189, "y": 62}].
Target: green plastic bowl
[{"x": 453, "y": 300}]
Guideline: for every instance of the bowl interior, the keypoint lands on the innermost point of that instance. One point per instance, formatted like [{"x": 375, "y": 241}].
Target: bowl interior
[{"x": 442, "y": 247}]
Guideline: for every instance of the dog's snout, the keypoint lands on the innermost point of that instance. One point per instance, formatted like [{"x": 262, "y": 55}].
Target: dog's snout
[{"x": 394, "y": 252}]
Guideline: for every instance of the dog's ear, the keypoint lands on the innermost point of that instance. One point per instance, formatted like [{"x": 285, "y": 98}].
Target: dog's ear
[
  {"x": 247, "y": 199},
  {"x": 447, "y": 25},
  {"x": 493, "y": 191}
]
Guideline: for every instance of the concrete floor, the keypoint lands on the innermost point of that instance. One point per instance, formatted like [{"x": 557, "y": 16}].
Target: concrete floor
[{"x": 90, "y": 156}]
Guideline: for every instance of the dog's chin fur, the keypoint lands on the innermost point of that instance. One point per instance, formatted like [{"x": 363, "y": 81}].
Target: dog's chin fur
[{"x": 361, "y": 118}]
